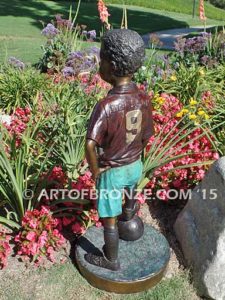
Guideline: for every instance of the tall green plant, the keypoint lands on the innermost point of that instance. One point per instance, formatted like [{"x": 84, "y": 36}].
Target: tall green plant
[
  {"x": 69, "y": 124},
  {"x": 71, "y": 151},
  {"x": 20, "y": 172},
  {"x": 187, "y": 82},
  {"x": 160, "y": 152}
]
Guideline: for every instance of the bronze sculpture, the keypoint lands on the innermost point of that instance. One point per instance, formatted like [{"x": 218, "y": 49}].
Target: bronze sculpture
[{"x": 119, "y": 129}]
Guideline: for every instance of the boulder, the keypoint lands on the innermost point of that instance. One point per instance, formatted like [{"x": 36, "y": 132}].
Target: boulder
[{"x": 200, "y": 230}]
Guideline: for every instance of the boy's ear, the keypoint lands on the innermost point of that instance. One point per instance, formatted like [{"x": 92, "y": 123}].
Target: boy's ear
[{"x": 113, "y": 66}]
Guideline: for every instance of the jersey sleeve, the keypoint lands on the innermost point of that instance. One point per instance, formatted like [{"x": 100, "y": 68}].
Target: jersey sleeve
[
  {"x": 149, "y": 126},
  {"x": 97, "y": 126}
]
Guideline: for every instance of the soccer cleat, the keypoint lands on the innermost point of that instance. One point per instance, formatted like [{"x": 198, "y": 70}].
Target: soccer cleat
[{"x": 102, "y": 261}]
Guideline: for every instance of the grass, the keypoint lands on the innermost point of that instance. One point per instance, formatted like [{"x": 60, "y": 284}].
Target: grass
[
  {"x": 21, "y": 23},
  {"x": 179, "y": 6},
  {"x": 64, "y": 282}
]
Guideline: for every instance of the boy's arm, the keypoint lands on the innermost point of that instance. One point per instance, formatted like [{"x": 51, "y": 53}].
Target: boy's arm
[
  {"x": 97, "y": 129},
  {"x": 92, "y": 159},
  {"x": 91, "y": 156}
]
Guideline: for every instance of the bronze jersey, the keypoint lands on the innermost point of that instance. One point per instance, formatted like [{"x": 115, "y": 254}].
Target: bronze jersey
[{"x": 120, "y": 124}]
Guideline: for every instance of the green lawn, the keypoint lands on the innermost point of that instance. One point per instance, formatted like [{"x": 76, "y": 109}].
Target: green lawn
[
  {"x": 180, "y": 6},
  {"x": 21, "y": 23},
  {"x": 64, "y": 282}
]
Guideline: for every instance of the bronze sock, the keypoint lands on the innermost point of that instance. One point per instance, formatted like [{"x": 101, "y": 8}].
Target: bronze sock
[{"x": 110, "y": 250}]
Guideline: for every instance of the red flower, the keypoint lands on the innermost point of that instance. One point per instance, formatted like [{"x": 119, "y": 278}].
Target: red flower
[{"x": 78, "y": 228}]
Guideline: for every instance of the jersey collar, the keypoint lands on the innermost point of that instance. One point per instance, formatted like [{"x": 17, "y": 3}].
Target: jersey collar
[{"x": 124, "y": 89}]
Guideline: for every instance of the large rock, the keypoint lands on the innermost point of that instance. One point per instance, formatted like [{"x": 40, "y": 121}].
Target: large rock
[{"x": 200, "y": 229}]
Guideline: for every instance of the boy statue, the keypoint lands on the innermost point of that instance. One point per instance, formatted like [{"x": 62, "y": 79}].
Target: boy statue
[{"x": 119, "y": 129}]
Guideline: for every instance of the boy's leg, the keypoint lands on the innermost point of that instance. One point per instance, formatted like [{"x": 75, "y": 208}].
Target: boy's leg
[
  {"x": 131, "y": 205},
  {"x": 110, "y": 248},
  {"x": 111, "y": 239}
]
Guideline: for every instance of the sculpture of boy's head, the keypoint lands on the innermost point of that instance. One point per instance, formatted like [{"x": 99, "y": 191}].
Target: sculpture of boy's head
[{"x": 122, "y": 54}]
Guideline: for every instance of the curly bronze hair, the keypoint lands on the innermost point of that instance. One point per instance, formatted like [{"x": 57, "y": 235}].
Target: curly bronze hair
[{"x": 125, "y": 49}]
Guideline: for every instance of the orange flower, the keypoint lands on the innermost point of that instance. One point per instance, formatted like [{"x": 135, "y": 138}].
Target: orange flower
[{"x": 103, "y": 13}]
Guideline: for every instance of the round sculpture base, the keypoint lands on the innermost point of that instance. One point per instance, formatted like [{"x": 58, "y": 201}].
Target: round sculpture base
[{"x": 143, "y": 261}]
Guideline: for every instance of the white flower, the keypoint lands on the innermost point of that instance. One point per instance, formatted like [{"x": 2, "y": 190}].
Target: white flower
[
  {"x": 6, "y": 119},
  {"x": 143, "y": 68}
]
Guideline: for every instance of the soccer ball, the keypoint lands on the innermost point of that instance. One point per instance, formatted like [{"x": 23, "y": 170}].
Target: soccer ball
[{"x": 131, "y": 230}]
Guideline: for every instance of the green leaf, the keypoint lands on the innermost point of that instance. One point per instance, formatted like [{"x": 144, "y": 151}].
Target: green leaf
[{"x": 9, "y": 223}]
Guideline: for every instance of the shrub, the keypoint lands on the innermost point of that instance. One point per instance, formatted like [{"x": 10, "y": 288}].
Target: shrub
[
  {"x": 63, "y": 38},
  {"x": 39, "y": 237},
  {"x": 205, "y": 49},
  {"x": 19, "y": 87}
]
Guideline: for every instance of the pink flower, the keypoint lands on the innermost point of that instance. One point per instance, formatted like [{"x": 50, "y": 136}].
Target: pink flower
[
  {"x": 162, "y": 195},
  {"x": 5, "y": 248},
  {"x": 78, "y": 228},
  {"x": 31, "y": 236},
  {"x": 43, "y": 238},
  {"x": 33, "y": 224},
  {"x": 50, "y": 252},
  {"x": 141, "y": 198},
  {"x": 44, "y": 210},
  {"x": 18, "y": 123},
  {"x": 32, "y": 245},
  {"x": 98, "y": 224},
  {"x": 103, "y": 13},
  {"x": 216, "y": 156},
  {"x": 33, "y": 249}
]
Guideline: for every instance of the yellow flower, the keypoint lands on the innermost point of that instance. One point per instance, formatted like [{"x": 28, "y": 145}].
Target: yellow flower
[
  {"x": 192, "y": 117},
  {"x": 206, "y": 116},
  {"x": 173, "y": 77},
  {"x": 179, "y": 114},
  {"x": 160, "y": 100},
  {"x": 201, "y": 113},
  {"x": 185, "y": 110},
  {"x": 201, "y": 72},
  {"x": 193, "y": 102},
  {"x": 182, "y": 112}
]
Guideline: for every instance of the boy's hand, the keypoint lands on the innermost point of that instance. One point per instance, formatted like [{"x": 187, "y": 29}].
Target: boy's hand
[
  {"x": 98, "y": 172},
  {"x": 90, "y": 150}
]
